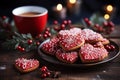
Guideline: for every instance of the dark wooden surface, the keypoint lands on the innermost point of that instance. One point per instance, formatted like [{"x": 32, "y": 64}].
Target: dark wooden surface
[{"x": 107, "y": 71}]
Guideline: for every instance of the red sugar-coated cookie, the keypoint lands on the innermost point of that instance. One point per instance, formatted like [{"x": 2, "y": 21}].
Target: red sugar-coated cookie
[
  {"x": 88, "y": 53},
  {"x": 67, "y": 57},
  {"x": 50, "y": 46},
  {"x": 26, "y": 65},
  {"x": 90, "y": 36},
  {"x": 70, "y": 39}
]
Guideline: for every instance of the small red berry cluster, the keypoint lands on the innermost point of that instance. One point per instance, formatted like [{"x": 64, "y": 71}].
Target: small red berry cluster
[
  {"x": 107, "y": 27},
  {"x": 110, "y": 47},
  {"x": 56, "y": 26},
  {"x": 29, "y": 42},
  {"x": 21, "y": 49},
  {"x": 45, "y": 34},
  {"x": 62, "y": 26},
  {"x": 45, "y": 72}
]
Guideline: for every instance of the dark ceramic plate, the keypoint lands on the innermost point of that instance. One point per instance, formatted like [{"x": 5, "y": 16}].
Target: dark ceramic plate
[{"x": 112, "y": 55}]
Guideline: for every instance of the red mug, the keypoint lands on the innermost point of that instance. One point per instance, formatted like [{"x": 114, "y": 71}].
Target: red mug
[{"x": 30, "y": 19}]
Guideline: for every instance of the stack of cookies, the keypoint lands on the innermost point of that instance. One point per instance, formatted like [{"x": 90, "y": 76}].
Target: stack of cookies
[{"x": 77, "y": 44}]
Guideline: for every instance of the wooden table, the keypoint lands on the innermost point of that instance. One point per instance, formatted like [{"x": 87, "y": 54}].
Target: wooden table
[{"x": 107, "y": 71}]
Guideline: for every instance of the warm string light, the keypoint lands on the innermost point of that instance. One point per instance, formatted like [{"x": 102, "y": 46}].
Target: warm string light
[
  {"x": 109, "y": 8},
  {"x": 59, "y": 7},
  {"x": 72, "y": 1},
  {"x": 106, "y": 16}
]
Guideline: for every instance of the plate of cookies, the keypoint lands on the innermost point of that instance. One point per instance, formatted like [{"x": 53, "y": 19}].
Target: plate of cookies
[{"x": 78, "y": 47}]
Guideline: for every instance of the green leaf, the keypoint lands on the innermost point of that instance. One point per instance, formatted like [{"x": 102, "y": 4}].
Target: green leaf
[
  {"x": 16, "y": 45},
  {"x": 24, "y": 36},
  {"x": 97, "y": 18},
  {"x": 29, "y": 36}
]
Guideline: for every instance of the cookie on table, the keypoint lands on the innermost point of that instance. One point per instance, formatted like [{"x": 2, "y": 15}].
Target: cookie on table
[
  {"x": 88, "y": 53},
  {"x": 26, "y": 65},
  {"x": 50, "y": 46},
  {"x": 67, "y": 57}
]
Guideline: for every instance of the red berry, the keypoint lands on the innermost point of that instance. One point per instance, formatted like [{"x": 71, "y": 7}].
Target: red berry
[
  {"x": 45, "y": 36},
  {"x": 65, "y": 22},
  {"x": 96, "y": 26},
  {"x": 111, "y": 24},
  {"x": 86, "y": 20},
  {"x": 30, "y": 41},
  {"x": 46, "y": 32},
  {"x": 49, "y": 34},
  {"x": 112, "y": 47},
  {"x": 39, "y": 36},
  {"x": 47, "y": 29},
  {"x": 43, "y": 75},
  {"x": 100, "y": 29},
  {"x": 89, "y": 23},
  {"x": 22, "y": 49},
  {"x": 105, "y": 24},
  {"x": 108, "y": 47},
  {"x": 55, "y": 22},
  {"x": 18, "y": 47},
  {"x": 48, "y": 73},
  {"x": 44, "y": 69},
  {"x": 37, "y": 43},
  {"x": 62, "y": 26},
  {"x": 69, "y": 21}
]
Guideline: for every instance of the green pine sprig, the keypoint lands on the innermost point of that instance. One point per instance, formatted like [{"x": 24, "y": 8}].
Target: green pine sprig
[{"x": 19, "y": 40}]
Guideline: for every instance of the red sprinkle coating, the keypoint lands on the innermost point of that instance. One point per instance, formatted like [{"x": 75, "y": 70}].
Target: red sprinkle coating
[
  {"x": 70, "y": 38},
  {"x": 90, "y": 35},
  {"x": 88, "y": 52},
  {"x": 25, "y": 64},
  {"x": 68, "y": 57},
  {"x": 50, "y": 46}
]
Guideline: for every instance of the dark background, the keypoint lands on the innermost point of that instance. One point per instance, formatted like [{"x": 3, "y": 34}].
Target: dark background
[{"x": 87, "y": 9}]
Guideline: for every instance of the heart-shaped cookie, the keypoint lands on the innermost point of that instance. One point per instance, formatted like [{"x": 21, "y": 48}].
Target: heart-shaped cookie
[
  {"x": 50, "y": 46},
  {"x": 67, "y": 57},
  {"x": 88, "y": 53},
  {"x": 26, "y": 65},
  {"x": 90, "y": 36},
  {"x": 70, "y": 39}
]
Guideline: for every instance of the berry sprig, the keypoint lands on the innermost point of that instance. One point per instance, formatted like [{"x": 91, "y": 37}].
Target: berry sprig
[
  {"x": 65, "y": 24},
  {"x": 106, "y": 27},
  {"x": 21, "y": 42},
  {"x": 45, "y": 72},
  {"x": 46, "y": 34}
]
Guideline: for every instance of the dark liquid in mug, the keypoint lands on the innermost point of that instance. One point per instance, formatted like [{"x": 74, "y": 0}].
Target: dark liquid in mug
[{"x": 30, "y": 14}]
